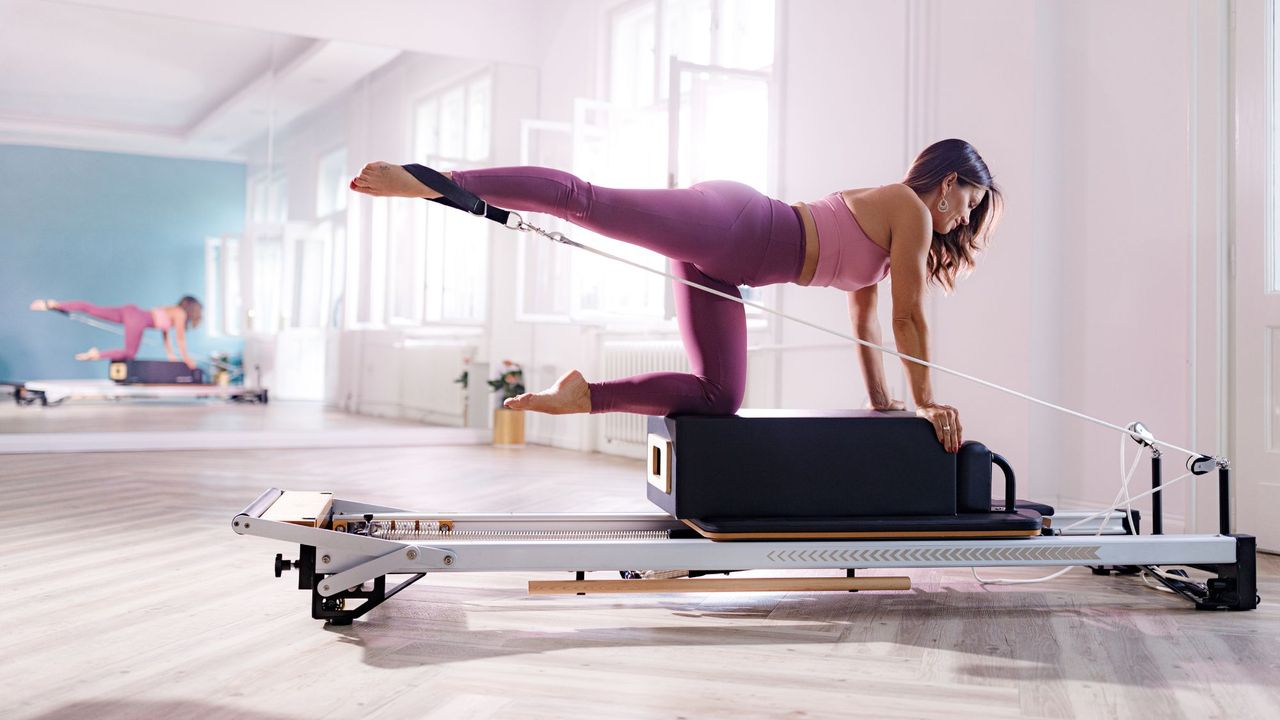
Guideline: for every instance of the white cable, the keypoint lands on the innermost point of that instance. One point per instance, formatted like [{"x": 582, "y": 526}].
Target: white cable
[
  {"x": 560, "y": 238},
  {"x": 1125, "y": 478},
  {"x": 1139, "y": 496}
]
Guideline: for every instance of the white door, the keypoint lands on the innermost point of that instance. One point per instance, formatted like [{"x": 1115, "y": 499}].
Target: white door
[{"x": 1256, "y": 280}]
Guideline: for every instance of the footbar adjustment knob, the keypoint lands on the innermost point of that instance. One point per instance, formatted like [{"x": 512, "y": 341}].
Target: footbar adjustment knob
[{"x": 283, "y": 565}]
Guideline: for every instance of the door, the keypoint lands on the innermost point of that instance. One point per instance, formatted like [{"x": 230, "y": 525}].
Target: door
[{"x": 1254, "y": 268}]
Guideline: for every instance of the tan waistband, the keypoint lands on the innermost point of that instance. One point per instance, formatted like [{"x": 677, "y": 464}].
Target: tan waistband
[{"x": 810, "y": 244}]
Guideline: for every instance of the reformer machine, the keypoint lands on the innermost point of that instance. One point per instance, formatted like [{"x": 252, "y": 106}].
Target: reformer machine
[
  {"x": 756, "y": 491},
  {"x": 761, "y": 491}
]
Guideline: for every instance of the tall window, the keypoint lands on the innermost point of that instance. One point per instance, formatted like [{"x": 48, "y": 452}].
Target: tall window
[
  {"x": 222, "y": 308},
  {"x": 268, "y": 215},
  {"x": 437, "y": 258},
  {"x": 718, "y": 57}
]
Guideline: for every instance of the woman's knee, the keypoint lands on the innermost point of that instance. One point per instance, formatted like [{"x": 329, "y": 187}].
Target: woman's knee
[{"x": 722, "y": 398}]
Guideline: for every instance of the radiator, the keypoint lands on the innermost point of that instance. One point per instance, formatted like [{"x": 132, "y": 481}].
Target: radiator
[
  {"x": 427, "y": 373},
  {"x": 626, "y": 433}
]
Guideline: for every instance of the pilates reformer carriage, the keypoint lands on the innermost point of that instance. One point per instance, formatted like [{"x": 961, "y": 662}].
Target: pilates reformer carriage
[{"x": 758, "y": 491}]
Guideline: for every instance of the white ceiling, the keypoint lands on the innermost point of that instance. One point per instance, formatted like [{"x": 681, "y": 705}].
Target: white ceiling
[{"x": 196, "y": 79}]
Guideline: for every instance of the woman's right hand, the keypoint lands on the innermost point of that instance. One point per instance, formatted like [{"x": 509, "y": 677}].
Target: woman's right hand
[{"x": 946, "y": 423}]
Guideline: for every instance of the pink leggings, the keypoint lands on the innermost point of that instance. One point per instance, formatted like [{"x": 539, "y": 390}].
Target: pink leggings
[
  {"x": 718, "y": 234},
  {"x": 133, "y": 318}
]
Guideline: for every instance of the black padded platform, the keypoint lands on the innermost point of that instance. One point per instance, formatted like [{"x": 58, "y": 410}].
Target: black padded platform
[
  {"x": 154, "y": 372},
  {"x": 812, "y": 464},
  {"x": 802, "y": 464},
  {"x": 1023, "y": 523}
]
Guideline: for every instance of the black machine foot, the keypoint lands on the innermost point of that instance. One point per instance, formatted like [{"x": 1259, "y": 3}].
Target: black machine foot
[
  {"x": 1234, "y": 588},
  {"x": 333, "y": 610}
]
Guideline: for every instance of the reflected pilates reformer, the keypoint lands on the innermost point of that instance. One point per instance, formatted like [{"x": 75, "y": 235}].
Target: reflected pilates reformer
[
  {"x": 132, "y": 379},
  {"x": 758, "y": 491}
]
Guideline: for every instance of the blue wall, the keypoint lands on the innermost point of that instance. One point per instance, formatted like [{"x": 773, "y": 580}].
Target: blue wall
[{"x": 110, "y": 229}]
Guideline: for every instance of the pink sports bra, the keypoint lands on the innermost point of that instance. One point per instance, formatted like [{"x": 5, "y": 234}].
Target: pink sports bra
[
  {"x": 161, "y": 319},
  {"x": 847, "y": 258}
]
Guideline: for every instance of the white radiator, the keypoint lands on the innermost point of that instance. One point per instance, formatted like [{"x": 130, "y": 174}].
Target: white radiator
[
  {"x": 625, "y": 433},
  {"x": 427, "y": 373}
]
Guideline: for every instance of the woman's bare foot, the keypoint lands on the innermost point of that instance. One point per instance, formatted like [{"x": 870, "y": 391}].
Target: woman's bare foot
[
  {"x": 382, "y": 179},
  {"x": 42, "y": 305},
  {"x": 90, "y": 354},
  {"x": 569, "y": 395}
]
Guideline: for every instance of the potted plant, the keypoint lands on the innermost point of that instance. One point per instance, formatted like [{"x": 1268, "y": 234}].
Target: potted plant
[{"x": 508, "y": 425}]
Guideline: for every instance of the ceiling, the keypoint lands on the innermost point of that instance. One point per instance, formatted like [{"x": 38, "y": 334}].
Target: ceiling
[{"x": 202, "y": 79}]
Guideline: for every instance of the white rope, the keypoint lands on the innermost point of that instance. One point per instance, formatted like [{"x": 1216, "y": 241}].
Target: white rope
[{"x": 560, "y": 238}]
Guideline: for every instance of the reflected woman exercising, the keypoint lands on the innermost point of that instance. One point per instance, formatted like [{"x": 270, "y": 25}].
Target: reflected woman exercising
[
  {"x": 186, "y": 314},
  {"x": 928, "y": 228}
]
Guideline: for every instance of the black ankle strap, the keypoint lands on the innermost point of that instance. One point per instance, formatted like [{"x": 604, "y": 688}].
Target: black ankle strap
[{"x": 454, "y": 194}]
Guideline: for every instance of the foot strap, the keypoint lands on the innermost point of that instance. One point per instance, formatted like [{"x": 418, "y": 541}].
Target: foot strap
[{"x": 455, "y": 196}]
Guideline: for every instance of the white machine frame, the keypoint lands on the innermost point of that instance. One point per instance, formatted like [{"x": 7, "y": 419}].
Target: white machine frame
[{"x": 376, "y": 541}]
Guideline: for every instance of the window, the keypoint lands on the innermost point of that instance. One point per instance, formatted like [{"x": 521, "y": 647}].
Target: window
[
  {"x": 268, "y": 199},
  {"x": 691, "y": 93},
  {"x": 222, "y": 285},
  {"x": 331, "y": 183},
  {"x": 437, "y": 259}
]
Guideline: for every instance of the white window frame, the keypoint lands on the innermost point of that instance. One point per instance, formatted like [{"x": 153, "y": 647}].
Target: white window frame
[
  {"x": 661, "y": 84},
  {"x": 429, "y": 253}
]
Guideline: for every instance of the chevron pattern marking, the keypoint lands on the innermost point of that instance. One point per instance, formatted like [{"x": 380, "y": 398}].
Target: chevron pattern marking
[{"x": 949, "y": 555}]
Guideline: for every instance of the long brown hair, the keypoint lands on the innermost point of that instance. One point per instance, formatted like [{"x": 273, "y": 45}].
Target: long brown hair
[
  {"x": 193, "y": 309},
  {"x": 955, "y": 252}
]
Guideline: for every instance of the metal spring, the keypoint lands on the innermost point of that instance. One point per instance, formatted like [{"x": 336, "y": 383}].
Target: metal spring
[{"x": 405, "y": 531}]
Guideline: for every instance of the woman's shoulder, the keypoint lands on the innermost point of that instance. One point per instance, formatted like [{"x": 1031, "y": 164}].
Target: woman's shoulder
[{"x": 895, "y": 203}]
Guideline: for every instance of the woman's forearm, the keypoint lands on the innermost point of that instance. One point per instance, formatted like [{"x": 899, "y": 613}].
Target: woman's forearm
[
  {"x": 912, "y": 336},
  {"x": 873, "y": 363}
]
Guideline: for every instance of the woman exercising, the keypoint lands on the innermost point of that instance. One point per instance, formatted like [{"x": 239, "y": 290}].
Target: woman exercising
[
  {"x": 186, "y": 314},
  {"x": 928, "y": 228}
]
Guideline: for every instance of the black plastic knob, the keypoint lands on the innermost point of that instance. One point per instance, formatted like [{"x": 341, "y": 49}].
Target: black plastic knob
[{"x": 283, "y": 565}]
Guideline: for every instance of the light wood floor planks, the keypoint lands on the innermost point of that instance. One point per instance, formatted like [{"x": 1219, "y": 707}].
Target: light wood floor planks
[{"x": 132, "y": 598}]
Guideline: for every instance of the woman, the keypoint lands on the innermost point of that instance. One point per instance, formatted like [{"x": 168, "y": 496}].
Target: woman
[
  {"x": 928, "y": 228},
  {"x": 186, "y": 314}
]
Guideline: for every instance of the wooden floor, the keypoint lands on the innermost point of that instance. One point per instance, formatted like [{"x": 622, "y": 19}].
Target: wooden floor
[{"x": 130, "y": 597}]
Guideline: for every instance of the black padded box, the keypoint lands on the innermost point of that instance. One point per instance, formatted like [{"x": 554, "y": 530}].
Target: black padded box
[
  {"x": 154, "y": 372},
  {"x": 812, "y": 464}
]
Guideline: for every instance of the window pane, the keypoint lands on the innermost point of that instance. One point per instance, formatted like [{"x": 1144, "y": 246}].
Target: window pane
[
  {"x": 308, "y": 284},
  {"x": 278, "y": 201},
  {"x": 687, "y": 33},
  {"x": 404, "y": 267},
  {"x": 633, "y": 56},
  {"x": 724, "y": 129},
  {"x": 479, "y": 102},
  {"x": 267, "y": 258},
  {"x": 331, "y": 183},
  {"x": 745, "y": 34},
  {"x": 426, "y": 129},
  {"x": 231, "y": 305},
  {"x": 452, "y": 122},
  {"x": 258, "y": 200}
]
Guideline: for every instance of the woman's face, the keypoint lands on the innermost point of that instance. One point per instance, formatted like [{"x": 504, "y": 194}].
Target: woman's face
[{"x": 959, "y": 199}]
